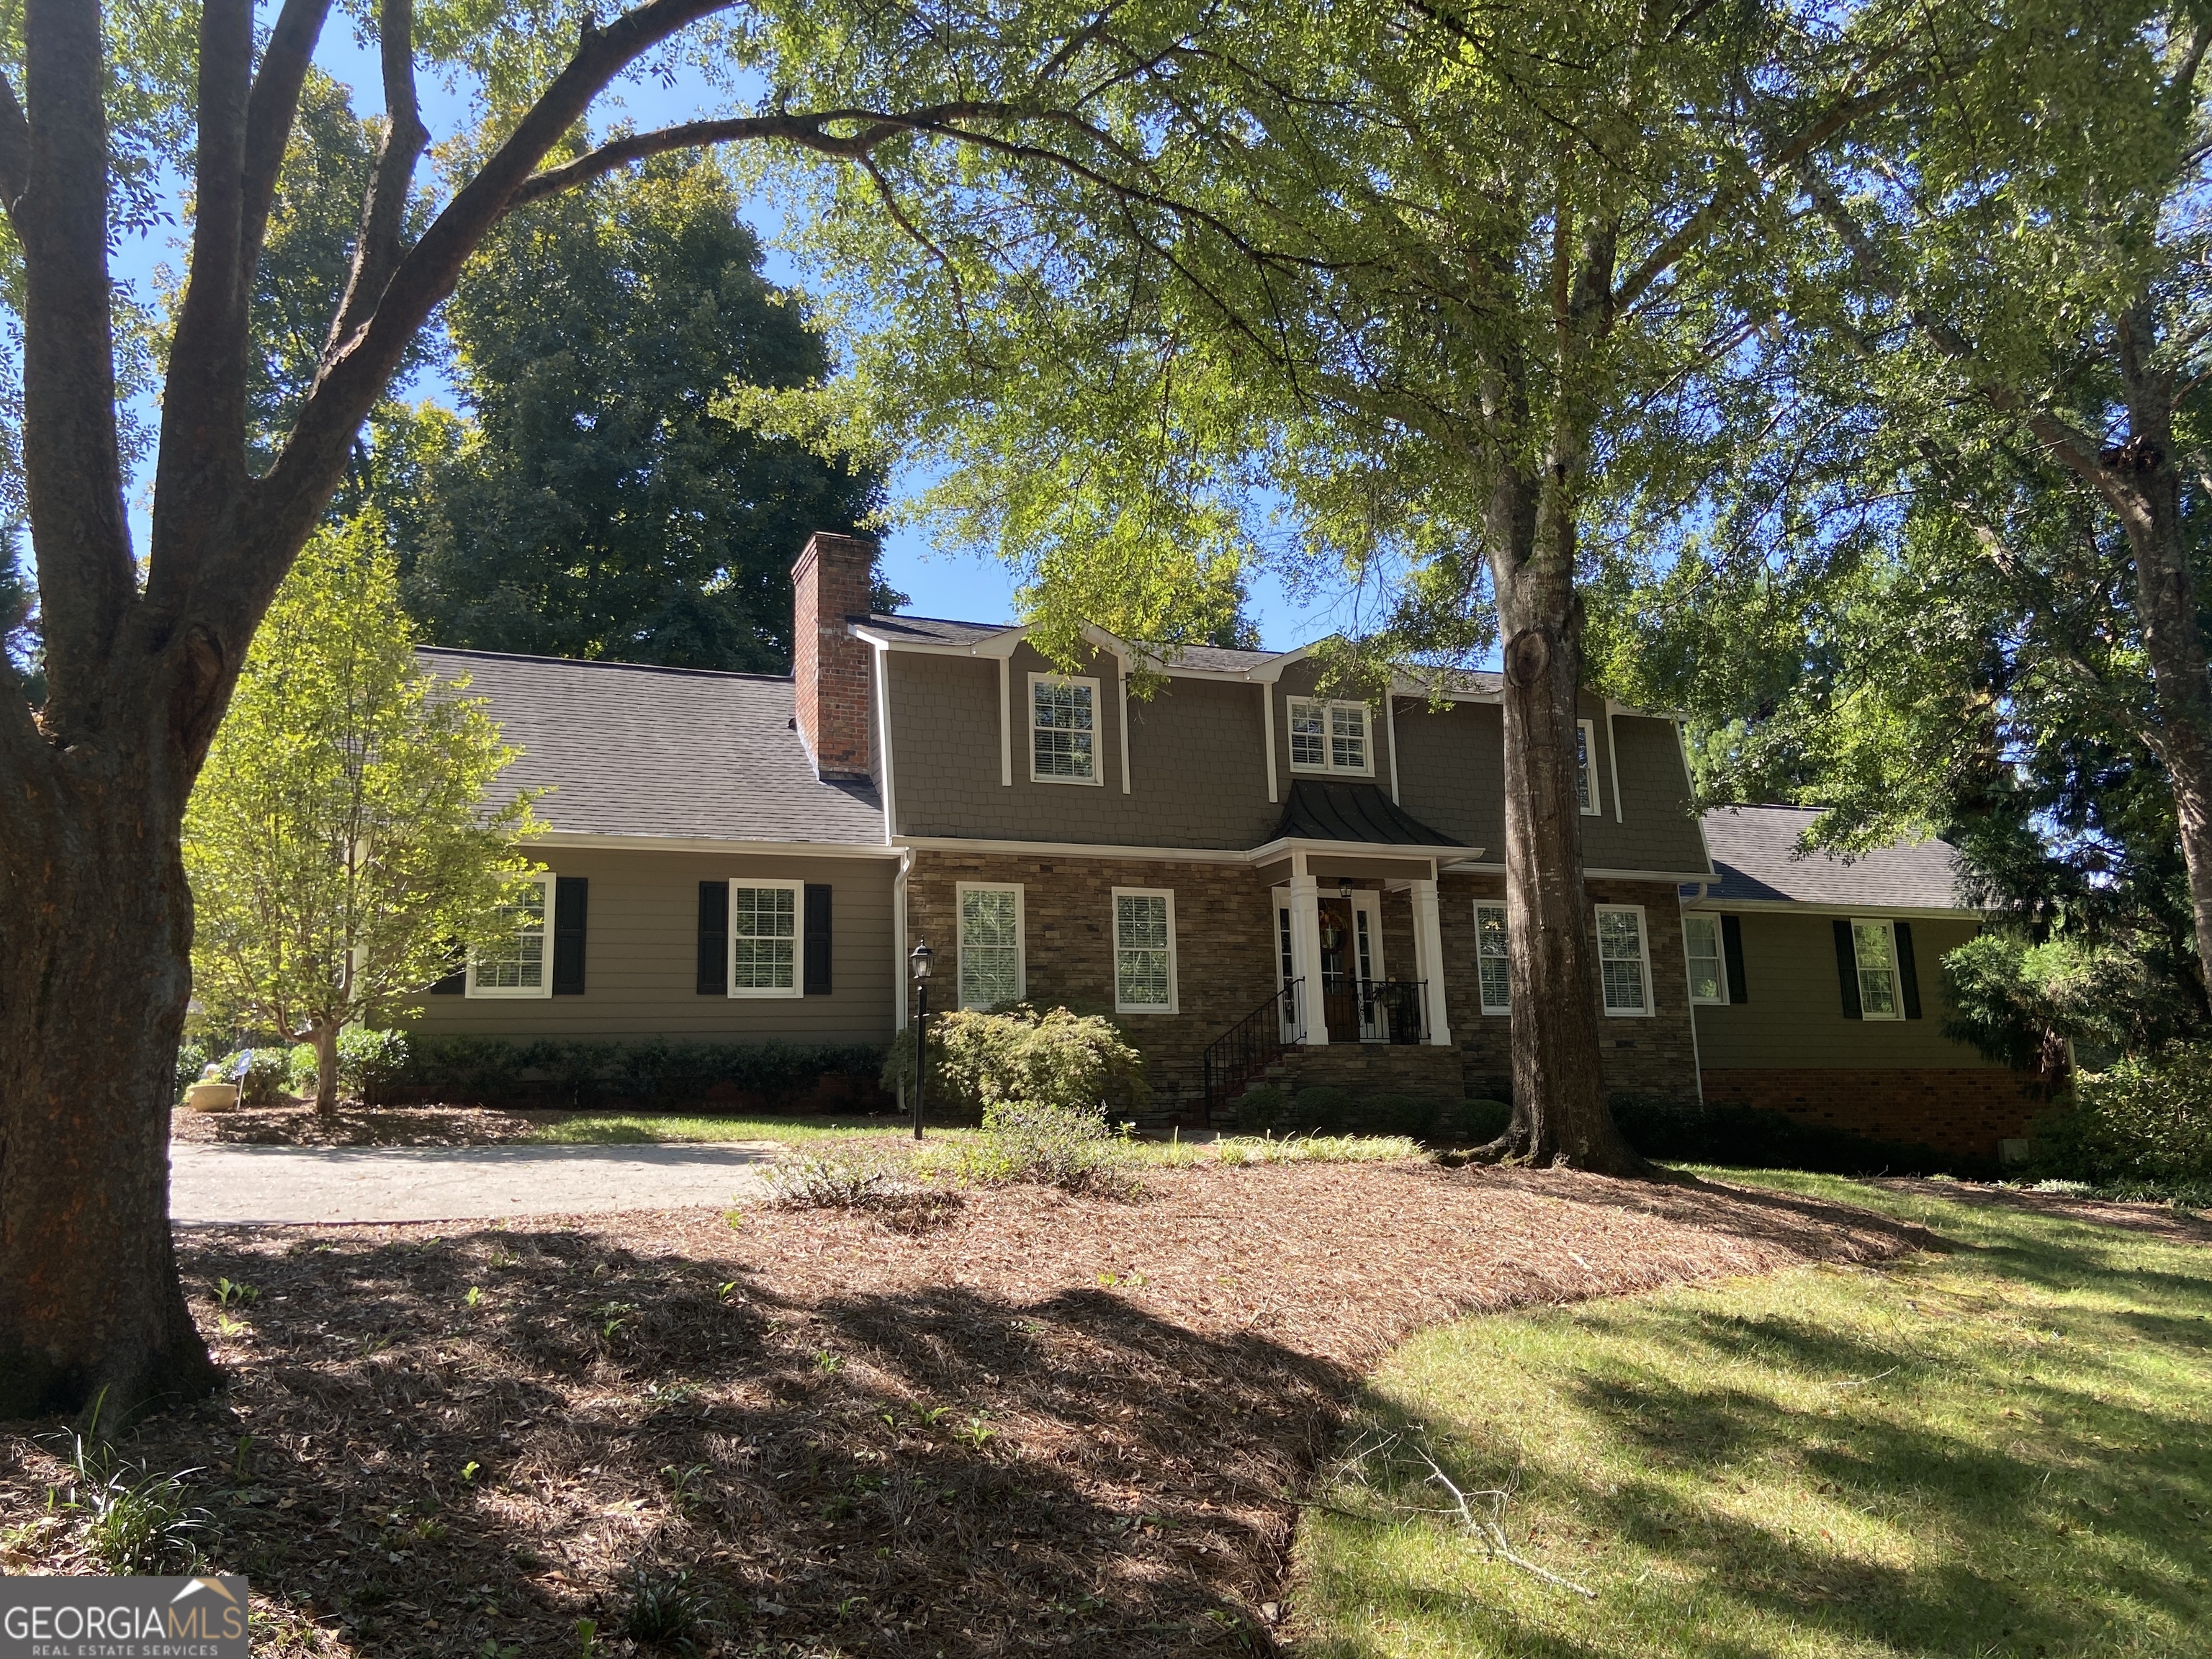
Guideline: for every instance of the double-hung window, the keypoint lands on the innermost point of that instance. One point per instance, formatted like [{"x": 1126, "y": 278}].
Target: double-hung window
[
  {"x": 764, "y": 937},
  {"x": 1701, "y": 947},
  {"x": 991, "y": 965},
  {"x": 1063, "y": 729},
  {"x": 1493, "y": 963},
  {"x": 516, "y": 958},
  {"x": 1874, "y": 944},
  {"x": 1624, "y": 967},
  {"x": 1585, "y": 769},
  {"x": 1143, "y": 951},
  {"x": 1329, "y": 737}
]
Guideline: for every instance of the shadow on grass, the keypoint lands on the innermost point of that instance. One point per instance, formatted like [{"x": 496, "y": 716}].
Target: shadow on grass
[{"x": 2001, "y": 1452}]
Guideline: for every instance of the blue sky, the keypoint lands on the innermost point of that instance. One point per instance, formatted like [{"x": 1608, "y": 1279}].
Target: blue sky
[{"x": 940, "y": 583}]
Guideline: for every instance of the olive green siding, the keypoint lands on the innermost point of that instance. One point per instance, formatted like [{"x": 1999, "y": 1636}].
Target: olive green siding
[
  {"x": 1198, "y": 765},
  {"x": 641, "y": 956},
  {"x": 1793, "y": 1016}
]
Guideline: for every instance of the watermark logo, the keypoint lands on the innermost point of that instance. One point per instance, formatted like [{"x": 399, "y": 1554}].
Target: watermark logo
[{"x": 123, "y": 1618}]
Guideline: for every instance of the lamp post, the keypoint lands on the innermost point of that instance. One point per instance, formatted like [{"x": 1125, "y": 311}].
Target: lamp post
[{"x": 919, "y": 961}]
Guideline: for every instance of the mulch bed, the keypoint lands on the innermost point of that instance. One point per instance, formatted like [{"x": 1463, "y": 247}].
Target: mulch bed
[
  {"x": 1016, "y": 1423},
  {"x": 354, "y": 1125}
]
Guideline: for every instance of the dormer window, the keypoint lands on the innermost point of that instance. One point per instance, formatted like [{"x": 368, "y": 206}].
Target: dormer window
[
  {"x": 1329, "y": 737},
  {"x": 1063, "y": 729}
]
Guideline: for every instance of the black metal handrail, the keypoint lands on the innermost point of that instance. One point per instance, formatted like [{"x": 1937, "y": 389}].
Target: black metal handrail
[
  {"x": 1394, "y": 1011},
  {"x": 1251, "y": 1045}
]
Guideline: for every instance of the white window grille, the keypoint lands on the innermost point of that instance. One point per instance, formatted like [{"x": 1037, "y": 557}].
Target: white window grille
[
  {"x": 1874, "y": 945},
  {"x": 1143, "y": 951},
  {"x": 764, "y": 938},
  {"x": 1701, "y": 945},
  {"x": 1493, "y": 960},
  {"x": 1329, "y": 737},
  {"x": 1623, "y": 966},
  {"x": 1063, "y": 730},
  {"x": 518, "y": 960},
  {"x": 991, "y": 966}
]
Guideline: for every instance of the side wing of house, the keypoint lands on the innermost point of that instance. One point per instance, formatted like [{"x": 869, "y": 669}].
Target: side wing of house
[{"x": 1822, "y": 993}]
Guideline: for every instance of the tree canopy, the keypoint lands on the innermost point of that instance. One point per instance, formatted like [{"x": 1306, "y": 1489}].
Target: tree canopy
[{"x": 598, "y": 500}]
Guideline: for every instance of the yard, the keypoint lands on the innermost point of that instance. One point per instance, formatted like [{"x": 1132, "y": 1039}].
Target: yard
[
  {"x": 2002, "y": 1448},
  {"x": 1020, "y": 1419}
]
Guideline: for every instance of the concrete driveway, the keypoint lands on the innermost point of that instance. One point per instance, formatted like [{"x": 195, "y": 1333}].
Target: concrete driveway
[{"x": 221, "y": 1183}]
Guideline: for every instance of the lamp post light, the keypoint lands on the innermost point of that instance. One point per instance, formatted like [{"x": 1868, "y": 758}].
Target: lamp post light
[{"x": 919, "y": 961}]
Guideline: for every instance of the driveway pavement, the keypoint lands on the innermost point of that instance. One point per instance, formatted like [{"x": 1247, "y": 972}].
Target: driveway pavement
[{"x": 231, "y": 1183}]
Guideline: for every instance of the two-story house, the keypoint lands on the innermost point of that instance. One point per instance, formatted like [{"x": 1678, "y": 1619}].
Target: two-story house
[{"x": 741, "y": 856}]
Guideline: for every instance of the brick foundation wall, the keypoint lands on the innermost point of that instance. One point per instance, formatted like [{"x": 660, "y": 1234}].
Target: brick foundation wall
[
  {"x": 1654, "y": 1057},
  {"x": 830, "y": 668},
  {"x": 1964, "y": 1110}
]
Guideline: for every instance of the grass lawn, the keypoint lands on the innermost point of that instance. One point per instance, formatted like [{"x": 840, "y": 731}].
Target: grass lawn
[
  {"x": 2001, "y": 1448},
  {"x": 638, "y": 1128}
]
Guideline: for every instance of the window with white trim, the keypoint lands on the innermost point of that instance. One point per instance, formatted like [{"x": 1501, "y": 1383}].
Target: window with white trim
[
  {"x": 764, "y": 937},
  {"x": 1329, "y": 737},
  {"x": 1063, "y": 729},
  {"x": 991, "y": 966},
  {"x": 516, "y": 958},
  {"x": 1585, "y": 771},
  {"x": 1701, "y": 948},
  {"x": 1623, "y": 965},
  {"x": 1874, "y": 944},
  {"x": 1492, "y": 959},
  {"x": 1144, "y": 950}
]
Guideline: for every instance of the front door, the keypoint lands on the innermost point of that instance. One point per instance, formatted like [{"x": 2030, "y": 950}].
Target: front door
[{"x": 1351, "y": 958}]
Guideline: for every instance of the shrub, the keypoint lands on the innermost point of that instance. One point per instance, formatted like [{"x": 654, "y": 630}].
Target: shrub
[
  {"x": 1257, "y": 1109},
  {"x": 648, "y": 1075},
  {"x": 1073, "y": 1063},
  {"x": 1322, "y": 1110},
  {"x": 369, "y": 1062},
  {"x": 2021, "y": 1003},
  {"x": 191, "y": 1060},
  {"x": 262, "y": 1074},
  {"x": 2148, "y": 1120},
  {"x": 842, "y": 1178},
  {"x": 1473, "y": 1122},
  {"x": 1036, "y": 1142}
]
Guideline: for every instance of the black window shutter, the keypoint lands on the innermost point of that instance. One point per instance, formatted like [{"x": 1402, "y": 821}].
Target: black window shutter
[
  {"x": 571, "y": 900},
  {"x": 1732, "y": 951},
  {"x": 455, "y": 983},
  {"x": 714, "y": 938},
  {"x": 817, "y": 972},
  {"x": 1908, "y": 977},
  {"x": 1847, "y": 969}
]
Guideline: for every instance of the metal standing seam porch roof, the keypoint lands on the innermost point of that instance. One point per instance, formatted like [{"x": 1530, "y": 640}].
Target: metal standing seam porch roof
[{"x": 1357, "y": 812}]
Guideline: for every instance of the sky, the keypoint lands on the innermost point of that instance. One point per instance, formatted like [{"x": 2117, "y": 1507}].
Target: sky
[{"x": 958, "y": 584}]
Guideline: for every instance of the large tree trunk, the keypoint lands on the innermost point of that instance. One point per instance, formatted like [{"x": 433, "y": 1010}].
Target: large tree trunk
[
  {"x": 95, "y": 936},
  {"x": 2166, "y": 600},
  {"x": 1559, "y": 1112}
]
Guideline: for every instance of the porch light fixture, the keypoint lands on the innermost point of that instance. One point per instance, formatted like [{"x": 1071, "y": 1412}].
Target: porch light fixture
[
  {"x": 920, "y": 961},
  {"x": 1344, "y": 889}
]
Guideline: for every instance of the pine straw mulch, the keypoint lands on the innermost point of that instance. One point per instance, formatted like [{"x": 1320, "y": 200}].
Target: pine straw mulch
[
  {"x": 2175, "y": 1226},
  {"x": 1024, "y": 1422},
  {"x": 298, "y": 1124}
]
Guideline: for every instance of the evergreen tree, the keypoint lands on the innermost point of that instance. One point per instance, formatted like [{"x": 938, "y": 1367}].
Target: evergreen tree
[{"x": 599, "y": 502}]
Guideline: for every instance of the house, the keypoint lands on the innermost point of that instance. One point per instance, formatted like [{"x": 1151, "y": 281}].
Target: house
[
  {"x": 1819, "y": 993},
  {"x": 1232, "y": 864}
]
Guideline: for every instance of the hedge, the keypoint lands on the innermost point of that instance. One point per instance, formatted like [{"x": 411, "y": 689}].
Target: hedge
[{"x": 649, "y": 1075}]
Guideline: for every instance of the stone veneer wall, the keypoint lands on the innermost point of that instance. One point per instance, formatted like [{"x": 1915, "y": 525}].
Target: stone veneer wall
[
  {"x": 1964, "y": 1110},
  {"x": 1655, "y": 1057},
  {"x": 1223, "y": 965}
]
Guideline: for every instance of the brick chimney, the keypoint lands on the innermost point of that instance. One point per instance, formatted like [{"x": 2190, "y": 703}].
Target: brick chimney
[{"x": 829, "y": 667}]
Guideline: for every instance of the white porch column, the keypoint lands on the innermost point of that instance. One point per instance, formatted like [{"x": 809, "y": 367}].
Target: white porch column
[
  {"x": 1428, "y": 948},
  {"x": 1305, "y": 957}
]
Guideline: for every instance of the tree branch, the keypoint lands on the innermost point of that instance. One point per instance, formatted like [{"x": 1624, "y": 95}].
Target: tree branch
[
  {"x": 270, "y": 109},
  {"x": 1808, "y": 139},
  {"x": 384, "y": 206},
  {"x": 202, "y": 438},
  {"x": 15, "y": 147},
  {"x": 71, "y": 462}
]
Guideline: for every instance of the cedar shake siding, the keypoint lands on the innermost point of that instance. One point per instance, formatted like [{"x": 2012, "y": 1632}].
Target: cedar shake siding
[{"x": 640, "y": 957}]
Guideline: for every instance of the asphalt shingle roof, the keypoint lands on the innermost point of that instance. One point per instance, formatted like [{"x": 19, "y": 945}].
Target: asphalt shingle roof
[
  {"x": 1318, "y": 811},
  {"x": 629, "y": 749},
  {"x": 1754, "y": 858}
]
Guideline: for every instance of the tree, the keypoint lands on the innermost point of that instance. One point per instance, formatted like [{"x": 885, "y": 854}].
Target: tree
[
  {"x": 1442, "y": 279},
  {"x": 338, "y": 842},
  {"x": 599, "y": 504},
  {"x": 140, "y": 661}
]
